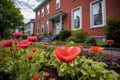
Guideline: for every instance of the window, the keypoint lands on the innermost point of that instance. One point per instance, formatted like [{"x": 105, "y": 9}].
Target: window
[
  {"x": 42, "y": 28},
  {"x": 47, "y": 9},
  {"x": 42, "y": 12},
  {"x": 38, "y": 14},
  {"x": 38, "y": 28},
  {"x": 47, "y": 27},
  {"x": 97, "y": 14},
  {"x": 57, "y": 4},
  {"x": 76, "y": 23}
]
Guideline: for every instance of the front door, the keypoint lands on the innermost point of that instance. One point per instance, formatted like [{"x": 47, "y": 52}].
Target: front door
[{"x": 57, "y": 28}]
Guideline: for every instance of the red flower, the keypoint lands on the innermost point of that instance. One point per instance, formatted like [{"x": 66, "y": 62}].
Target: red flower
[
  {"x": 30, "y": 57},
  {"x": 7, "y": 43},
  {"x": 110, "y": 41},
  {"x": 15, "y": 43},
  {"x": 54, "y": 43},
  {"x": 45, "y": 43},
  {"x": 36, "y": 77},
  {"x": 32, "y": 38},
  {"x": 17, "y": 34},
  {"x": 33, "y": 50},
  {"x": 52, "y": 78},
  {"x": 46, "y": 74},
  {"x": 24, "y": 44},
  {"x": 95, "y": 49},
  {"x": 1, "y": 59},
  {"x": 67, "y": 54},
  {"x": 80, "y": 46}
]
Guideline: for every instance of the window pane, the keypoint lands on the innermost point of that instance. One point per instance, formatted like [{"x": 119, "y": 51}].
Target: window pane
[
  {"x": 76, "y": 18},
  {"x": 97, "y": 13}
]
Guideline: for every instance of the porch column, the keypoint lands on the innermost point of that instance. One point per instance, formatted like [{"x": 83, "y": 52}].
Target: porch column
[
  {"x": 60, "y": 22},
  {"x": 60, "y": 25}
]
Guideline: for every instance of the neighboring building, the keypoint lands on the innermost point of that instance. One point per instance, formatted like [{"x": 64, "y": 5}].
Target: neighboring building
[
  {"x": 29, "y": 27},
  {"x": 90, "y": 15}
]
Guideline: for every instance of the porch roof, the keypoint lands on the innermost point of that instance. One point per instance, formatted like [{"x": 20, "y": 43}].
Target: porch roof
[{"x": 56, "y": 16}]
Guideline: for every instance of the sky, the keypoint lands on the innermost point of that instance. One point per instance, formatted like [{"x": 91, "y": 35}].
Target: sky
[{"x": 26, "y": 8}]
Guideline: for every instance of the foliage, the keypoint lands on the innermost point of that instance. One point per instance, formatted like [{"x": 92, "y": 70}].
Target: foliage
[
  {"x": 71, "y": 38},
  {"x": 112, "y": 29},
  {"x": 23, "y": 63},
  {"x": 90, "y": 40},
  {"x": 11, "y": 16},
  {"x": 64, "y": 34},
  {"x": 24, "y": 36},
  {"x": 80, "y": 35},
  {"x": 101, "y": 43},
  {"x": 7, "y": 33}
]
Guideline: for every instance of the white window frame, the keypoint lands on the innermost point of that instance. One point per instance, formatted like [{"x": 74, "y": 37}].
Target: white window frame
[
  {"x": 47, "y": 9},
  {"x": 57, "y": 3},
  {"x": 42, "y": 26},
  {"x": 42, "y": 14},
  {"x": 47, "y": 26},
  {"x": 103, "y": 14},
  {"x": 72, "y": 16},
  {"x": 38, "y": 14},
  {"x": 38, "y": 28}
]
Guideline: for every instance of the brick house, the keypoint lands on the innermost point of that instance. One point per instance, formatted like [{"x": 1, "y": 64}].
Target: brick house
[{"x": 90, "y": 15}]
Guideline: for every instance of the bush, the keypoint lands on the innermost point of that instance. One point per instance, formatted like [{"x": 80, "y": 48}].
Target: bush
[
  {"x": 80, "y": 35},
  {"x": 24, "y": 36},
  {"x": 71, "y": 38},
  {"x": 101, "y": 43},
  {"x": 90, "y": 40},
  {"x": 64, "y": 34},
  {"x": 112, "y": 29}
]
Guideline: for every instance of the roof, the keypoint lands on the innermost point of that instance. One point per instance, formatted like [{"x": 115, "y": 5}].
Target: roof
[{"x": 41, "y": 4}]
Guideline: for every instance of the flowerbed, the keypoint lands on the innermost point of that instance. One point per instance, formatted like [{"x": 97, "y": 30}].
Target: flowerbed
[{"x": 28, "y": 60}]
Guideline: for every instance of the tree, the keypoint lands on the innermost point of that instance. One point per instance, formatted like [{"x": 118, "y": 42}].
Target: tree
[{"x": 10, "y": 16}]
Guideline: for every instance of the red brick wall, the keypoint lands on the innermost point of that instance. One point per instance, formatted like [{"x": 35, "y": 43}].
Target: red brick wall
[{"x": 112, "y": 9}]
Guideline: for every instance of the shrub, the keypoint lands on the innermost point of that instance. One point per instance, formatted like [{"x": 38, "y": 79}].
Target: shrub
[
  {"x": 90, "y": 40},
  {"x": 112, "y": 29},
  {"x": 101, "y": 43},
  {"x": 71, "y": 38},
  {"x": 80, "y": 35},
  {"x": 24, "y": 36},
  {"x": 64, "y": 34}
]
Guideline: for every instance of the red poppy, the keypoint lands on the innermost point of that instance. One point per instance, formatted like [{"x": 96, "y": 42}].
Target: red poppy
[
  {"x": 33, "y": 50},
  {"x": 110, "y": 41},
  {"x": 54, "y": 43},
  {"x": 52, "y": 78},
  {"x": 24, "y": 44},
  {"x": 7, "y": 43},
  {"x": 67, "y": 54},
  {"x": 80, "y": 46},
  {"x": 46, "y": 74},
  {"x": 45, "y": 43},
  {"x": 17, "y": 34},
  {"x": 30, "y": 56},
  {"x": 32, "y": 38},
  {"x": 15, "y": 43},
  {"x": 1, "y": 59},
  {"x": 36, "y": 77},
  {"x": 15, "y": 49},
  {"x": 95, "y": 49}
]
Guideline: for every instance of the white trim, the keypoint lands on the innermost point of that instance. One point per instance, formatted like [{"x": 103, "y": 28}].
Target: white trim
[
  {"x": 72, "y": 24},
  {"x": 42, "y": 26},
  {"x": 42, "y": 12},
  {"x": 103, "y": 12},
  {"x": 56, "y": 4},
  {"x": 47, "y": 9}
]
